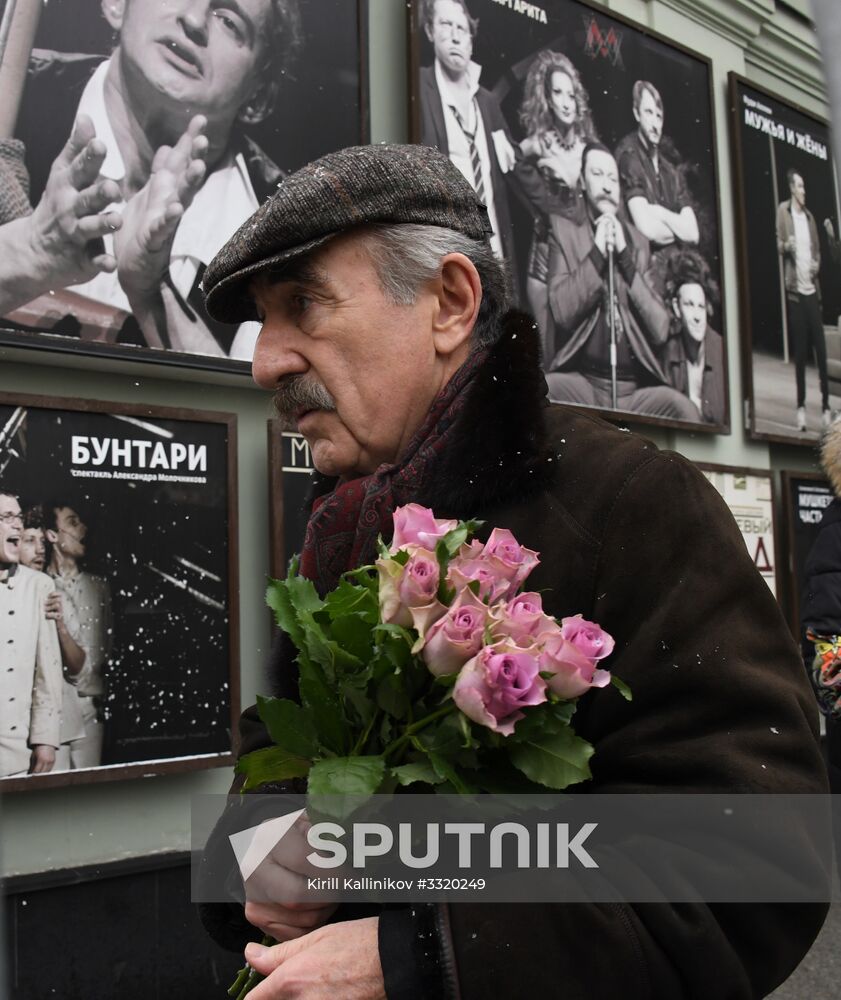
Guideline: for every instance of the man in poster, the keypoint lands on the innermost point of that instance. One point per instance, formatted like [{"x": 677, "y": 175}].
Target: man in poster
[
  {"x": 169, "y": 105},
  {"x": 91, "y": 601},
  {"x": 799, "y": 247},
  {"x": 30, "y": 706},
  {"x": 654, "y": 189},
  {"x": 694, "y": 360},
  {"x": 463, "y": 119},
  {"x": 582, "y": 256}
]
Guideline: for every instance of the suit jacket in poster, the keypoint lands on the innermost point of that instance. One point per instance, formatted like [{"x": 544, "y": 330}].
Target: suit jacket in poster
[
  {"x": 434, "y": 133},
  {"x": 577, "y": 280}
]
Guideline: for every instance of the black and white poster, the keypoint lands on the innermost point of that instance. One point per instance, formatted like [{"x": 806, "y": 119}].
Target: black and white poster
[
  {"x": 118, "y": 616},
  {"x": 592, "y": 142},
  {"x": 785, "y": 190},
  {"x": 290, "y": 483},
  {"x": 749, "y": 493},
  {"x": 806, "y": 497},
  {"x": 147, "y": 132}
]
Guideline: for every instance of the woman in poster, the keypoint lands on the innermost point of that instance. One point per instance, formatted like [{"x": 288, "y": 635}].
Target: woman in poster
[{"x": 555, "y": 114}]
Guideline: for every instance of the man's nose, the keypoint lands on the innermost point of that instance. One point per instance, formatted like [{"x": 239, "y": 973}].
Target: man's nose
[
  {"x": 194, "y": 18},
  {"x": 275, "y": 356}
]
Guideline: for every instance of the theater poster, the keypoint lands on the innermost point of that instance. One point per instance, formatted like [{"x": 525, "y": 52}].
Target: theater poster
[
  {"x": 571, "y": 124},
  {"x": 805, "y": 497},
  {"x": 120, "y": 590},
  {"x": 290, "y": 478},
  {"x": 749, "y": 495},
  {"x": 790, "y": 266},
  {"x": 115, "y": 270}
]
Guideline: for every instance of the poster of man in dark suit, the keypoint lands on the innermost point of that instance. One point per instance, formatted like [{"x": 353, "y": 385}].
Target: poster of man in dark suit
[
  {"x": 790, "y": 289},
  {"x": 462, "y": 118},
  {"x": 546, "y": 81}
]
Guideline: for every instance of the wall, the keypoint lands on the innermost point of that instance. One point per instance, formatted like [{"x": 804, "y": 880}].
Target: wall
[{"x": 770, "y": 44}]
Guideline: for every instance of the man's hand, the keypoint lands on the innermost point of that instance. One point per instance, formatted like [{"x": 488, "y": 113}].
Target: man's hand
[
  {"x": 68, "y": 223},
  {"x": 53, "y": 608},
  {"x": 609, "y": 234},
  {"x": 339, "y": 961},
  {"x": 791, "y": 245},
  {"x": 282, "y": 876},
  {"x": 42, "y": 759},
  {"x": 830, "y": 229},
  {"x": 151, "y": 217}
]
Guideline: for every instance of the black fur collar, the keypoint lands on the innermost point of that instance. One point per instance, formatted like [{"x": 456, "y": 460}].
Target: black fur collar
[{"x": 499, "y": 451}]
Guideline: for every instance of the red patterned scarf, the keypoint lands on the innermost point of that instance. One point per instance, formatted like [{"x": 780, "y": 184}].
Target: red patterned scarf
[{"x": 343, "y": 526}]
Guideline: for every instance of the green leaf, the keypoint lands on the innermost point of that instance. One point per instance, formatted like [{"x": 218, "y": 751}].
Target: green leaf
[
  {"x": 392, "y": 697},
  {"x": 279, "y": 600},
  {"x": 422, "y": 770},
  {"x": 557, "y": 760},
  {"x": 346, "y": 776},
  {"x": 353, "y": 634},
  {"x": 621, "y": 687},
  {"x": 320, "y": 699},
  {"x": 447, "y": 772},
  {"x": 352, "y": 599},
  {"x": 454, "y": 539},
  {"x": 289, "y": 726},
  {"x": 268, "y": 765}
]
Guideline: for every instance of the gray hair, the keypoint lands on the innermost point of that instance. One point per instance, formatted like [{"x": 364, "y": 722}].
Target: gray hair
[{"x": 406, "y": 256}]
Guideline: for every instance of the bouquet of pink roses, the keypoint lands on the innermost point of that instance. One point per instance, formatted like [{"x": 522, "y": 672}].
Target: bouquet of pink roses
[{"x": 431, "y": 666}]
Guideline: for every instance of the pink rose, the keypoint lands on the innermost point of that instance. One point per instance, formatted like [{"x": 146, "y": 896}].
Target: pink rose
[
  {"x": 419, "y": 582},
  {"x": 490, "y": 574},
  {"x": 456, "y": 637},
  {"x": 522, "y": 620},
  {"x": 574, "y": 674},
  {"x": 496, "y": 684},
  {"x": 392, "y": 610},
  {"x": 518, "y": 560},
  {"x": 587, "y": 637},
  {"x": 408, "y": 593},
  {"x": 415, "y": 525}
]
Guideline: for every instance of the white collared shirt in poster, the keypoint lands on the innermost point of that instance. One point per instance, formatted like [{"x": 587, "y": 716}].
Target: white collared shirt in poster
[
  {"x": 458, "y": 146},
  {"x": 30, "y": 668},
  {"x": 220, "y": 206}
]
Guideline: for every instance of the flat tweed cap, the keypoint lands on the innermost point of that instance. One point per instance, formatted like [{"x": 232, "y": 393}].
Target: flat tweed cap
[{"x": 352, "y": 187}]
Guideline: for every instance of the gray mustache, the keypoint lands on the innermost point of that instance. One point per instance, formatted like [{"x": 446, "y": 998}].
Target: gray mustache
[{"x": 297, "y": 392}]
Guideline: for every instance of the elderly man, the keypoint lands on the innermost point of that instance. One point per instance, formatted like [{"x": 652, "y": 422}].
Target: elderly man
[
  {"x": 463, "y": 119},
  {"x": 30, "y": 660},
  {"x": 655, "y": 191},
  {"x": 581, "y": 254},
  {"x": 387, "y": 343},
  {"x": 186, "y": 76}
]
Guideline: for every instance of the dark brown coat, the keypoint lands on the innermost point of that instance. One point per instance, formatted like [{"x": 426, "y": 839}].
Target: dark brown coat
[{"x": 637, "y": 540}]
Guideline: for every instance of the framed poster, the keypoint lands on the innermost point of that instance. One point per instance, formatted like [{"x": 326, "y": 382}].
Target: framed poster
[
  {"x": 806, "y": 495},
  {"x": 119, "y": 625},
  {"x": 570, "y": 123},
  {"x": 749, "y": 495},
  {"x": 790, "y": 264},
  {"x": 290, "y": 475},
  {"x": 278, "y": 83}
]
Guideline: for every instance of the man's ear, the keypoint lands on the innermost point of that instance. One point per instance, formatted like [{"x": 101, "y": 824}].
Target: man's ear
[
  {"x": 458, "y": 293},
  {"x": 52, "y": 536},
  {"x": 113, "y": 11},
  {"x": 675, "y": 308}
]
